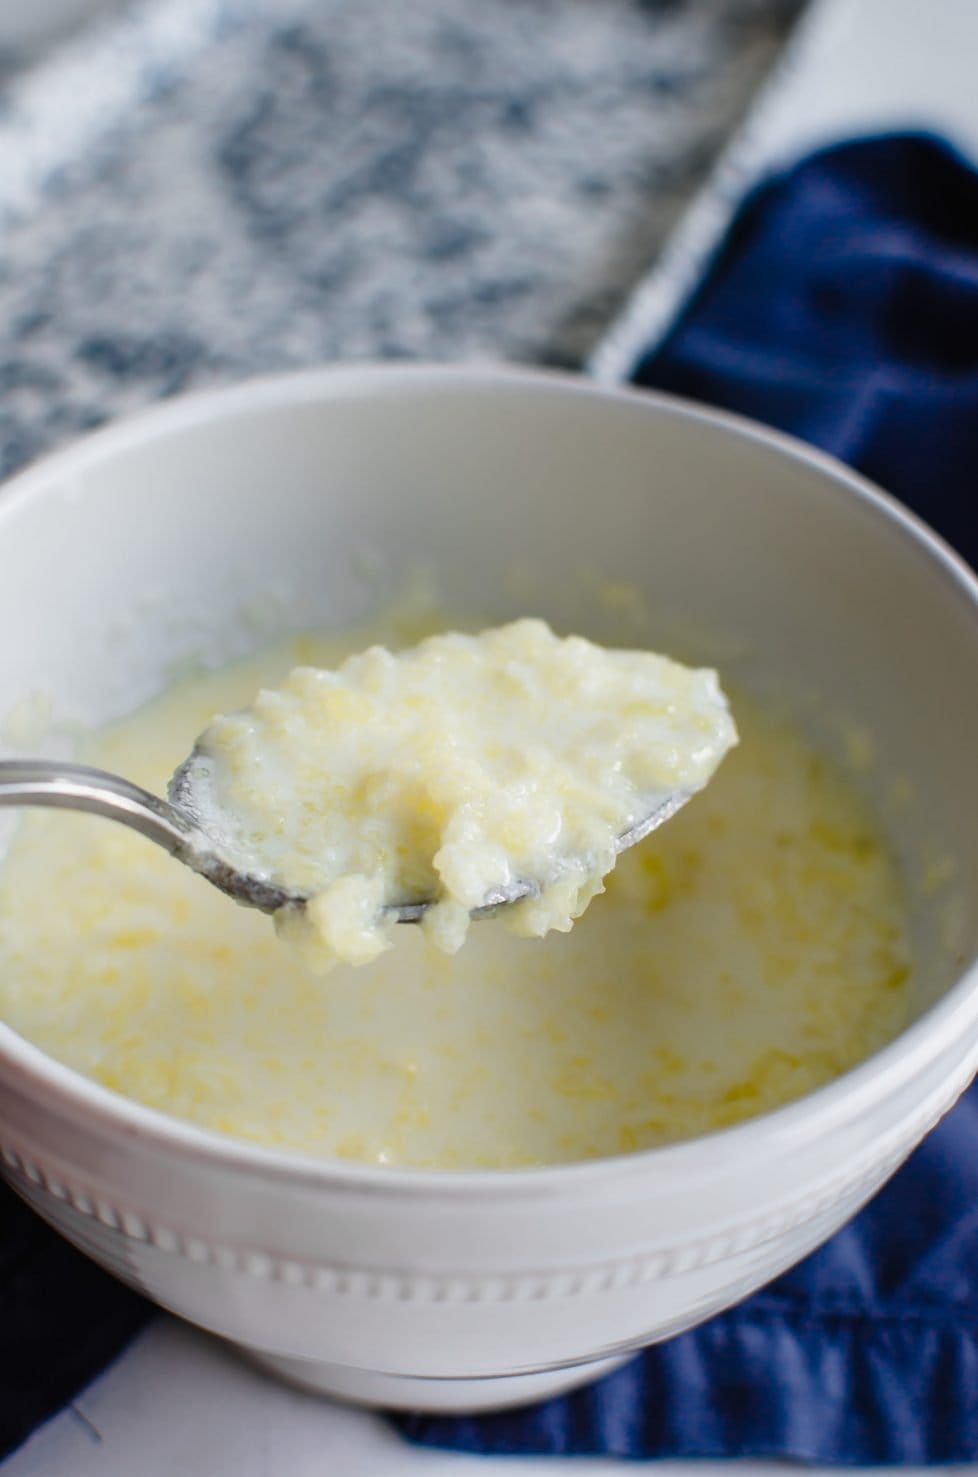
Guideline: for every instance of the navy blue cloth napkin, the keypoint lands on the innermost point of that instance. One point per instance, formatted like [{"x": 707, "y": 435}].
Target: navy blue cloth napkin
[
  {"x": 61, "y": 1320},
  {"x": 843, "y": 307}
]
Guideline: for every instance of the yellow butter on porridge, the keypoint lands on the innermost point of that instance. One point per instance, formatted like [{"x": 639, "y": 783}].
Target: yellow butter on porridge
[
  {"x": 752, "y": 949},
  {"x": 452, "y": 769}
]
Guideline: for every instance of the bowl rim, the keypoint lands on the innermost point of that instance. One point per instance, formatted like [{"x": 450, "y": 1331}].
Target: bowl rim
[{"x": 67, "y": 1092}]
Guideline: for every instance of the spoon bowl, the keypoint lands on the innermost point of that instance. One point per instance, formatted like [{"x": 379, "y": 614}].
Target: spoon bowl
[{"x": 195, "y": 832}]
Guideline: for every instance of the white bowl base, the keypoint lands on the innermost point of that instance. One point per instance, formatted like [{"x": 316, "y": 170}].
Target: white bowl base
[{"x": 404, "y": 1392}]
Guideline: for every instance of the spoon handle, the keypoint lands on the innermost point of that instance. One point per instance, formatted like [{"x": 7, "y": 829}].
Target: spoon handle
[
  {"x": 60, "y": 786},
  {"x": 48, "y": 782}
]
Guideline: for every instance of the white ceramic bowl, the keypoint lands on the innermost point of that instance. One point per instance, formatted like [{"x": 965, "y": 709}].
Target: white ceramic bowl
[{"x": 286, "y": 503}]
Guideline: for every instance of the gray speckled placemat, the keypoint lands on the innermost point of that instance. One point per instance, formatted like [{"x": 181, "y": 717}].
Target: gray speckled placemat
[{"x": 197, "y": 190}]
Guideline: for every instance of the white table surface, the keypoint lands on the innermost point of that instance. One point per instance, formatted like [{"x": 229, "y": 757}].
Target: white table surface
[
  {"x": 180, "y": 1405},
  {"x": 179, "y": 1402}
]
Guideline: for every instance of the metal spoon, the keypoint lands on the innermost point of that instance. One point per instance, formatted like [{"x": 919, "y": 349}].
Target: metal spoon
[{"x": 175, "y": 824}]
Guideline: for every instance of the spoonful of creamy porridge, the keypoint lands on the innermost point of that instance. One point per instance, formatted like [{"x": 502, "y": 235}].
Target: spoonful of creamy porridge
[{"x": 464, "y": 775}]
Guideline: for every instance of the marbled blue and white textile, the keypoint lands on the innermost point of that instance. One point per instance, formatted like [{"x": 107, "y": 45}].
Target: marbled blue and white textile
[{"x": 194, "y": 191}]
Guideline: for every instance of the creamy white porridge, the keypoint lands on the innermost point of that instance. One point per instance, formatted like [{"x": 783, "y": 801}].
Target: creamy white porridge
[
  {"x": 750, "y": 950},
  {"x": 450, "y": 769}
]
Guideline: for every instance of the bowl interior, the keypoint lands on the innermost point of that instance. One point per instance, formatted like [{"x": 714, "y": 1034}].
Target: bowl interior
[{"x": 213, "y": 526}]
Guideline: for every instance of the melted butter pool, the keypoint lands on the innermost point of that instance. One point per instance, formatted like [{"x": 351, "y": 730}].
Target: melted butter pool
[{"x": 752, "y": 949}]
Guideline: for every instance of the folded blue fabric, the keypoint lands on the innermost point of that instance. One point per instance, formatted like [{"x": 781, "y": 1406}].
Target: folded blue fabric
[
  {"x": 61, "y": 1320},
  {"x": 843, "y": 306}
]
